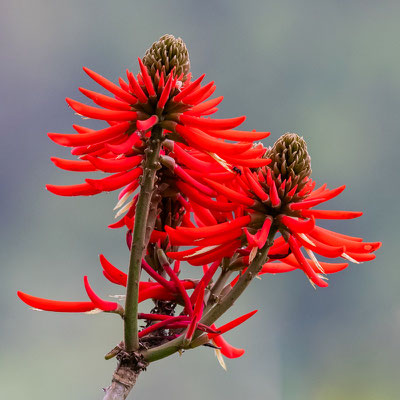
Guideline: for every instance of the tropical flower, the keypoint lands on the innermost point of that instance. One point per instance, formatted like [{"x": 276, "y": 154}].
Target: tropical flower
[
  {"x": 283, "y": 195},
  {"x": 161, "y": 95}
]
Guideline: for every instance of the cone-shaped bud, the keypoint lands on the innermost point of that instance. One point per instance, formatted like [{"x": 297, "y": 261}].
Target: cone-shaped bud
[
  {"x": 290, "y": 161},
  {"x": 165, "y": 54}
]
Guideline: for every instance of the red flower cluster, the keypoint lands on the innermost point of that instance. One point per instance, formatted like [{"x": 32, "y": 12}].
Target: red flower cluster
[
  {"x": 218, "y": 192},
  {"x": 275, "y": 195},
  {"x": 136, "y": 107}
]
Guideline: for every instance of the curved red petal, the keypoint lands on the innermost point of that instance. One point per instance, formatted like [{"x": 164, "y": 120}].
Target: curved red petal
[{"x": 55, "y": 305}]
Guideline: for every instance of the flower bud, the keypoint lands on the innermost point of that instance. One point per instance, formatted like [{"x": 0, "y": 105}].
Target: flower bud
[
  {"x": 290, "y": 159},
  {"x": 165, "y": 54}
]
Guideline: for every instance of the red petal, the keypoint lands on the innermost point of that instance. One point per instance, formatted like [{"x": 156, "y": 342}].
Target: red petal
[
  {"x": 231, "y": 194},
  {"x": 202, "y": 108},
  {"x": 181, "y": 289},
  {"x": 157, "y": 277},
  {"x": 97, "y": 301},
  {"x": 232, "y": 324},
  {"x": 313, "y": 202},
  {"x": 54, "y": 305},
  {"x": 329, "y": 268},
  {"x": 298, "y": 225},
  {"x": 250, "y": 162},
  {"x": 83, "y": 189},
  {"x": 111, "y": 87},
  {"x": 200, "y": 95},
  {"x": 106, "y": 101},
  {"x": 331, "y": 214},
  {"x": 99, "y": 113},
  {"x": 219, "y": 229},
  {"x": 115, "y": 165},
  {"x": 322, "y": 248},
  {"x": 118, "y": 276},
  {"x": 199, "y": 139},
  {"x": 255, "y": 186},
  {"x": 147, "y": 79},
  {"x": 276, "y": 268},
  {"x": 329, "y": 238},
  {"x": 192, "y": 162},
  {"x": 242, "y": 136},
  {"x": 189, "y": 89},
  {"x": 126, "y": 146},
  {"x": 227, "y": 350},
  {"x": 305, "y": 266},
  {"x": 205, "y": 280},
  {"x": 203, "y": 200},
  {"x": 147, "y": 124},
  {"x": 224, "y": 250},
  {"x": 137, "y": 90},
  {"x": 198, "y": 309},
  {"x": 115, "y": 181},
  {"x": 273, "y": 194},
  {"x": 165, "y": 93},
  {"x": 208, "y": 123},
  {"x": 85, "y": 139},
  {"x": 72, "y": 165},
  {"x": 179, "y": 239}
]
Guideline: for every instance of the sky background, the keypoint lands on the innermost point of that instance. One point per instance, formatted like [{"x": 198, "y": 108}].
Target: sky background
[{"x": 328, "y": 70}]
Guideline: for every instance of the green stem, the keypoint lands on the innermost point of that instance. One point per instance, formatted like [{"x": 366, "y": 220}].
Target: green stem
[
  {"x": 220, "y": 308},
  {"x": 217, "y": 288},
  {"x": 251, "y": 272},
  {"x": 150, "y": 167}
]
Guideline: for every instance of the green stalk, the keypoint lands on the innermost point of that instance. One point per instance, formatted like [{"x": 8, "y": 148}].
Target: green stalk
[
  {"x": 150, "y": 167},
  {"x": 252, "y": 271}
]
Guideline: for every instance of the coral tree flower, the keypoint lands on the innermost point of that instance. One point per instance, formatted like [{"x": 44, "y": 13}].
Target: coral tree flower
[
  {"x": 282, "y": 194},
  {"x": 162, "y": 94}
]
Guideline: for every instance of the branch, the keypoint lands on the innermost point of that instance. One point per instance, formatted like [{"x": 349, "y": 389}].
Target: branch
[{"x": 125, "y": 376}]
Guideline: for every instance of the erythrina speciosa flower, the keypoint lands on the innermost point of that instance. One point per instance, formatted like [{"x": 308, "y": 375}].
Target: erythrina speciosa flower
[
  {"x": 281, "y": 195},
  {"x": 161, "y": 95},
  {"x": 186, "y": 179}
]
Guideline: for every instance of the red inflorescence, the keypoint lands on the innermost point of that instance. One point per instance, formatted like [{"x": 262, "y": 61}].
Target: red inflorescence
[
  {"x": 262, "y": 204},
  {"x": 131, "y": 111},
  {"x": 221, "y": 194}
]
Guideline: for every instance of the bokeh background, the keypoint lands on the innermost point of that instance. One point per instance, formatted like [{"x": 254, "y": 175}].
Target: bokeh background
[{"x": 329, "y": 70}]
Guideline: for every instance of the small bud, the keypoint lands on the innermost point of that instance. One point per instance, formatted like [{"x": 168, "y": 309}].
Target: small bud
[
  {"x": 165, "y": 54},
  {"x": 290, "y": 161}
]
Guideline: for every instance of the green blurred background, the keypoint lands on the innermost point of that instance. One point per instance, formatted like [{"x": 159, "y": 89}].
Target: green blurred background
[{"x": 328, "y": 70}]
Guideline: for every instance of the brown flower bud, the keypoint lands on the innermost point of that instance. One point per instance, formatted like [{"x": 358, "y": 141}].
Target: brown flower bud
[
  {"x": 290, "y": 159},
  {"x": 165, "y": 54}
]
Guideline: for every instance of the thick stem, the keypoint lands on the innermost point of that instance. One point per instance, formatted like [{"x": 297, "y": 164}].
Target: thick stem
[
  {"x": 129, "y": 367},
  {"x": 220, "y": 308},
  {"x": 123, "y": 381},
  {"x": 150, "y": 167}
]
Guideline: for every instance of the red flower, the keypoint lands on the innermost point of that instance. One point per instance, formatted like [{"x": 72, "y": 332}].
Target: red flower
[
  {"x": 282, "y": 195},
  {"x": 175, "y": 103}
]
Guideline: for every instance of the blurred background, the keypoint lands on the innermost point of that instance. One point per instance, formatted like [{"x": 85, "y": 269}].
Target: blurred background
[{"x": 328, "y": 70}]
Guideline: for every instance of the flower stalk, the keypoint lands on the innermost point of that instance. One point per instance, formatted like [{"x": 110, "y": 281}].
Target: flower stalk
[
  {"x": 147, "y": 187},
  {"x": 251, "y": 272}
]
